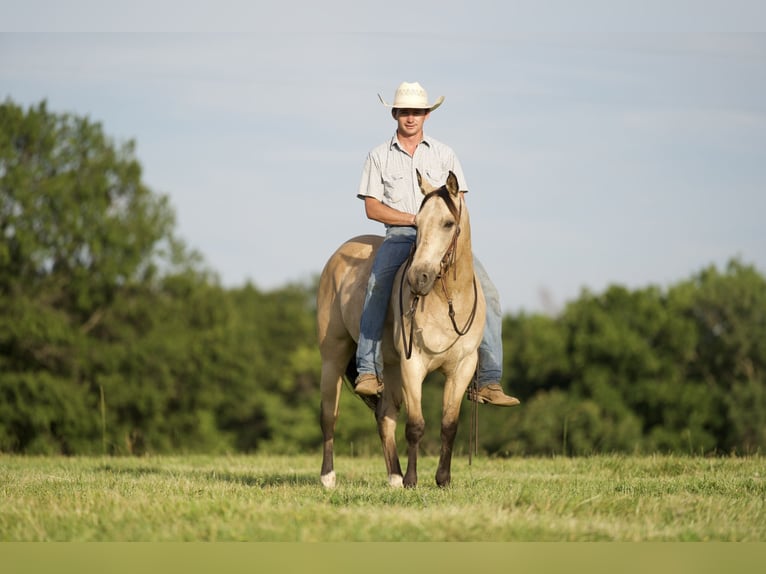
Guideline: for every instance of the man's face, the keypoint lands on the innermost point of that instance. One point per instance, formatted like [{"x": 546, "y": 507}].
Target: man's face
[{"x": 410, "y": 121}]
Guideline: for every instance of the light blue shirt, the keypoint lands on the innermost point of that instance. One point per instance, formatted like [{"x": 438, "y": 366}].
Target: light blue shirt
[{"x": 389, "y": 172}]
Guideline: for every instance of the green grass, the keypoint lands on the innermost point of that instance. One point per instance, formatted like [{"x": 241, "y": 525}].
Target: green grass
[{"x": 270, "y": 498}]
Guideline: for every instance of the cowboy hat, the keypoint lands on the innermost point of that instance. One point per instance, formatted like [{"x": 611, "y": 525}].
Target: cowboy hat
[{"x": 412, "y": 96}]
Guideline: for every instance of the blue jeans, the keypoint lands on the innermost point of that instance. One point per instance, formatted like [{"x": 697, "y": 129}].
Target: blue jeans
[{"x": 392, "y": 253}]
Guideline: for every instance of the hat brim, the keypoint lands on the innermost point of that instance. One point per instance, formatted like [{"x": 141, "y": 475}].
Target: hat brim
[{"x": 430, "y": 107}]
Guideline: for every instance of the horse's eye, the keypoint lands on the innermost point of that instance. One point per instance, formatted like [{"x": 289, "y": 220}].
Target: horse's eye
[{"x": 449, "y": 224}]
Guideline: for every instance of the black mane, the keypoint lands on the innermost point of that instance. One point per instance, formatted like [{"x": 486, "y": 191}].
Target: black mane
[{"x": 447, "y": 197}]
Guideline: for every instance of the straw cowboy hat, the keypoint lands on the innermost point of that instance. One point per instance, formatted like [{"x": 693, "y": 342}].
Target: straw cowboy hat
[{"x": 412, "y": 96}]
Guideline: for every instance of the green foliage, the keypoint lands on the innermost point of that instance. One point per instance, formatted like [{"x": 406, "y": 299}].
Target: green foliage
[
  {"x": 45, "y": 414},
  {"x": 535, "y": 354},
  {"x": 681, "y": 371},
  {"x": 85, "y": 308},
  {"x": 556, "y": 423},
  {"x": 115, "y": 338}
]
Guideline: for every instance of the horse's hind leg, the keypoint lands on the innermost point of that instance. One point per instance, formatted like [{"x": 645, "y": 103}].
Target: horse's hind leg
[{"x": 330, "y": 388}]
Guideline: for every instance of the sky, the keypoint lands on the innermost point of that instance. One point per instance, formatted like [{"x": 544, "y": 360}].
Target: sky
[{"x": 604, "y": 143}]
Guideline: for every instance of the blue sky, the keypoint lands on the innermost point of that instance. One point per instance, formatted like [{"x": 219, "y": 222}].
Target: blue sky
[{"x": 603, "y": 142}]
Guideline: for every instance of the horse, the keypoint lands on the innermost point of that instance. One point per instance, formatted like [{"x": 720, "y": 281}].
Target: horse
[{"x": 435, "y": 322}]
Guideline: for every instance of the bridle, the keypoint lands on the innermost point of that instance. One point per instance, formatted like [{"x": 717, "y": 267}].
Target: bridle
[{"x": 448, "y": 260}]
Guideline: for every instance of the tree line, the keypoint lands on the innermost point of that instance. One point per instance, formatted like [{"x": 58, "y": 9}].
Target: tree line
[{"x": 116, "y": 338}]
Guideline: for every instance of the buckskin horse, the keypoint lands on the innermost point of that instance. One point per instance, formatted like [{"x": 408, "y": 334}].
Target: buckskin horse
[{"x": 435, "y": 323}]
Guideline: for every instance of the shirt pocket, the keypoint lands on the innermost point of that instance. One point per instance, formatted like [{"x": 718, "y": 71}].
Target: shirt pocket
[
  {"x": 436, "y": 176},
  {"x": 394, "y": 186}
]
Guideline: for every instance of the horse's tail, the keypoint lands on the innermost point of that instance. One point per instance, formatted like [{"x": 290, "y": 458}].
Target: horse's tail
[{"x": 351, "y": 375}]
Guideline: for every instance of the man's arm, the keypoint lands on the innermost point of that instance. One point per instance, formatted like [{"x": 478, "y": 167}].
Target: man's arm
[{"x": 378, "y": 211}]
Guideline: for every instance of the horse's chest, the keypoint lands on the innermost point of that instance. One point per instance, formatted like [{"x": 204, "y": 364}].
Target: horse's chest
[{"x": 436, "y": 335}]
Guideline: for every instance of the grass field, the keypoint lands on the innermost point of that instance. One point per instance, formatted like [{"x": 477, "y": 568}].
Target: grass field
[{"x": 269, "y": 498}]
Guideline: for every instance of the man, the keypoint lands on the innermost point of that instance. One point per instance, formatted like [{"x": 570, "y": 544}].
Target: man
[{"x": 392, "y": 196}]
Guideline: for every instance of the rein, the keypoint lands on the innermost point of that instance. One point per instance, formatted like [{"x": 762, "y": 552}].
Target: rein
[{"x": 447, "y": 261}]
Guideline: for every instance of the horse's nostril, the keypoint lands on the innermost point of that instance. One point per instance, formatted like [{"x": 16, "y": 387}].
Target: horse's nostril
[{"x": 422, "y": 282}]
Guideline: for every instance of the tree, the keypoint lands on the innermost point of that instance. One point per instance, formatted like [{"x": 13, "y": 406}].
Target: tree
[
  {"x": 729, "y": 360},
  {"x": 78, "y": 232},
  {"x": 114, "y": 336}
]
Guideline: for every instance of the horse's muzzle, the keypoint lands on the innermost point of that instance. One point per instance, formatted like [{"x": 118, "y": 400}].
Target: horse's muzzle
[{"x": 421, "y": 280}]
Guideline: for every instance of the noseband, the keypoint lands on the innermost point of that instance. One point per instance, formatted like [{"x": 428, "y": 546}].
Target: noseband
[{"x": 448, "y": 260}]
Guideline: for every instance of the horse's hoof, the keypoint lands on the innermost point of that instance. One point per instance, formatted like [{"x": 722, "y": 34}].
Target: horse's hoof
[
  {"x": 328, "y": 480},
  {"x": 395, "y": 481}
]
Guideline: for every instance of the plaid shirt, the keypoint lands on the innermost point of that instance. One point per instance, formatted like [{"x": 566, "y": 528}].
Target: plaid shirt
[{"x": 389, "y": 172}]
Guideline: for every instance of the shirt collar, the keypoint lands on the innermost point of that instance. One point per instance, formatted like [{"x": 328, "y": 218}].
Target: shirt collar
[{"x": 395, "y": 142}]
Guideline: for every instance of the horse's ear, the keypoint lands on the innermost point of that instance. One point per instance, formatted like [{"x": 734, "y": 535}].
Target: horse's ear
[
  {"x": 452, "y": 184},
  {"x": 424, "y": 185}
]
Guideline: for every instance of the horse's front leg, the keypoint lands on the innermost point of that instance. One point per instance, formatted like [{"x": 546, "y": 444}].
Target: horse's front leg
[
  {"x": 412, "y": 386},
  {"x": 455, "y": 386},
  {"x": 386, "y": 414}
]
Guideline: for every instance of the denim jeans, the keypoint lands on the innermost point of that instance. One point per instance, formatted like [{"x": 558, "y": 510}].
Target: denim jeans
[{"x": 392, "y": 253}]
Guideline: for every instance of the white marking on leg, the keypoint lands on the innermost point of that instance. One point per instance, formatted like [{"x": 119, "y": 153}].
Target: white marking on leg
[
  {"x": 328, "y": 480},
  {"x": 395, "y": 480}
]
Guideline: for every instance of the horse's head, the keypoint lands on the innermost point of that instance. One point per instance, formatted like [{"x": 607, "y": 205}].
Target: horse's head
[{"x": 438, "y": 223}]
